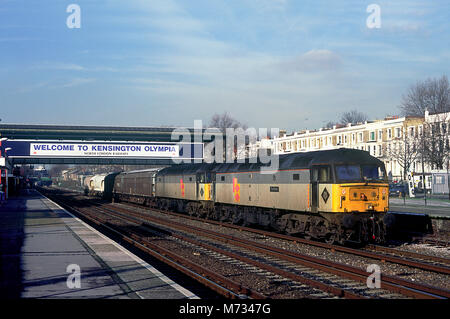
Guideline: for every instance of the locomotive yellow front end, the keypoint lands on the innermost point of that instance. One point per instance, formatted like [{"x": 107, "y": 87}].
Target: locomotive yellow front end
[
  {"x": 360, "y": 188},
  {"x": 361, "y": 199}
]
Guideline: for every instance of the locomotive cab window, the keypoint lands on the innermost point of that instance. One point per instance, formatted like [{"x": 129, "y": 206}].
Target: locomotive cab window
[
  {"x": 373, "y": 173},
  {"x": 348, "y": 173},
  {"x": 210, "y": 177},
  {"x": 200, "y": 177},
  {"x": 321, "y": 174},
  {"x": 359, "y": 173}
]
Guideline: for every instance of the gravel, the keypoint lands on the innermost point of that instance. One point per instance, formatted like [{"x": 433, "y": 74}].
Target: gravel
[{"x": 387, "y": 268}]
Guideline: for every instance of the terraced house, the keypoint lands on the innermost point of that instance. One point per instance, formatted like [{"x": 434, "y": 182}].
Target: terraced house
[{"x": 395, "y": 140}]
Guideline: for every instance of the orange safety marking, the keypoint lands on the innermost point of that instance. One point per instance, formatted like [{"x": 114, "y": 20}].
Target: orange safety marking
[
  {"x": 308, "y": 195},
  {"x": 182, "y": 187},
  {"x": 236, "y": 190}
]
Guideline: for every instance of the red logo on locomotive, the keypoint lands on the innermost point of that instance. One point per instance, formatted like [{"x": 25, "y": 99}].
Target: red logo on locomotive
[
  {"x": 182, "y": 187},
  {"x": 236, "y": 190}
]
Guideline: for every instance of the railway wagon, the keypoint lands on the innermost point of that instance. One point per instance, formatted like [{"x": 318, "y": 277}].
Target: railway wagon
[
  {"x": 87, "y": 184},
  {"x": 135, "y": 186},
  {"x": 102, "y": 185},
  {"x": 337, "y": 195}
]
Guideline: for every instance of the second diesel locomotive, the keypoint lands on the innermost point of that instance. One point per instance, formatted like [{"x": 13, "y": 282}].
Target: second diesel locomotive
[{"x": 336, "y": 195}]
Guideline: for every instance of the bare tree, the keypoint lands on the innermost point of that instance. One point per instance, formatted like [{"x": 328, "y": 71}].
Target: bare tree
[
  {"x": 448, "y": 174},
  {"x": 330, "y": 124},
  {"x": 56, "y": 170},
  {"x": 405, "y": 150},
  {"x": 353, "y": 116},
  {"x": 223, "y": 122},
  {"x": 436, "y": 140},
  {"x": 431, "y": 94}
]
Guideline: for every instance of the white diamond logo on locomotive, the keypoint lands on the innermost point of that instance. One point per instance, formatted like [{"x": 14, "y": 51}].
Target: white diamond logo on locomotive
[{"x": 325, "y": 195}]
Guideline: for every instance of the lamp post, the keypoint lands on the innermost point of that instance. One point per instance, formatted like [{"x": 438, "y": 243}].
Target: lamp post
[
  {"x": 6, "y": 173},
  {"x": 4, "y": 187}
]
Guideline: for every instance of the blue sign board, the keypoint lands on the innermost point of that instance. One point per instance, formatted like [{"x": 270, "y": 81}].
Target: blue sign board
[{"x": 102, "y": 149}]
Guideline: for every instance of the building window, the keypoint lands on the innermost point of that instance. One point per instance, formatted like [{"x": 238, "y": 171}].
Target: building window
[
  {"x": 439, "y": 179},
  {"x": 339, "y": 140},
  {"x": 398, "y": 132},
  {"x": 372, "y": 136},
  {"x": 420, "y": 130},
  {"x": 353, "y": 138},
  {"x": 380, "y": 135},
  {"x": 379, "y": 150},
  {"x": 412, "y": 131},
  {"x": 389, "y": 133},
  {"x": 360, "y": 137},
  {"x": 296, "y": 177}
]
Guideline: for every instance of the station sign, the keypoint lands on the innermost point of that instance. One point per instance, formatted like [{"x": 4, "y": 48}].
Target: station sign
[{"x": 101, "y": 149}]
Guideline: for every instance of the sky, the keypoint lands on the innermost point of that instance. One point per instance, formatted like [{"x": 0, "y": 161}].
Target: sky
[{"x": 285, "y": 64}]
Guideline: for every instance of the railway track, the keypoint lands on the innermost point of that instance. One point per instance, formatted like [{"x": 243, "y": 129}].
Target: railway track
[
  {"x": 206, "y": 277},
  {"x": 137, "y": 237},
  {"x": 332, "y": 278},
  {"x": 381, "y": 253},
  {"x": 433, "y": 241},
  {"x": 377, "y": 252}
]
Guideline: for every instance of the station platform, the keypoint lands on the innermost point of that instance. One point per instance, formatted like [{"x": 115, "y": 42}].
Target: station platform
[
  {"x": 435, "y": 208},
  {"x": 46, "y": 252}
]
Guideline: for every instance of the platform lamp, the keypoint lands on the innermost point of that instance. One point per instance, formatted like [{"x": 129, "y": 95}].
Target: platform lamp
[
  {"x": 6, "y": 173},
  {"x": 3, "y": 139}
]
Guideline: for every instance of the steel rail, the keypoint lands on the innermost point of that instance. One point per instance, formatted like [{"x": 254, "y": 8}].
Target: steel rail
[
  {"x": 359, "y": 252},
  {"x": 214, "y": 281},
  {"x": 311, "y": 282},
  {"x": 390, "y": 283}
]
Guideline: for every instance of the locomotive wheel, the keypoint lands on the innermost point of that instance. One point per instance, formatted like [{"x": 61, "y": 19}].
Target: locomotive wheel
[
  {"x": 331, "y": 239},
  {"x": 225, "y": 215},
  {"x": 237, "y": 218}
]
